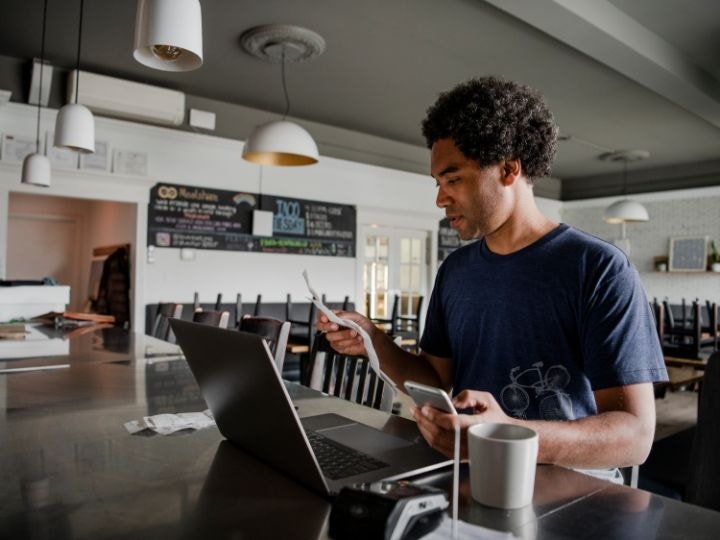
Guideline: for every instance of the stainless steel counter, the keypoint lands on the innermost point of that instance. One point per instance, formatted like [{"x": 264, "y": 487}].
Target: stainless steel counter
[{"x": 69, "y": 469}]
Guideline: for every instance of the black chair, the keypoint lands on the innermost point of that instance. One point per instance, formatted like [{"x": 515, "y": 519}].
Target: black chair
[
  {"x": 388, "y": 324},
  {"x": 704, "y": 475},
  {"x": 685, "y": 465},
  {"x": 274, "y": 331},
  {"x": 212, "y": 318},
  {"x": 346, "y": 377},
  {"x": 687, "y": 339},
  {"x": 407, "y": 326},
  {"x": 161, "y": 327},
  {"x": 239, "y": 309},
  {"x": 302, "y": 334}
]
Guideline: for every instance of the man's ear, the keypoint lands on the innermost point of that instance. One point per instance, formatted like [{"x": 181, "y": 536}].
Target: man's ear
[{"x": 511, "y": 170}]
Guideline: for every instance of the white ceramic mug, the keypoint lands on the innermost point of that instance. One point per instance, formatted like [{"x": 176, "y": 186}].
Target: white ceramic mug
[{"x": 503, "y": 458}]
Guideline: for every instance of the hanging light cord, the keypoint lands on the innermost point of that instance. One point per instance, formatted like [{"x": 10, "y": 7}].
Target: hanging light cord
[
  {"x": 260, "y": 189},
  {"x": 624, "y": 184},
  {"x": 42, "y": 68},
  {"x": 284, "y": 85},
  {"x": 77, "y": 64}
]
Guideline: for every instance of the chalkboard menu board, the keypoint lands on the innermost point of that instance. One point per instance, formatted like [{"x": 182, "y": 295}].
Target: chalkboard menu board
[
  {"x": 448, "y": 240},
  {"x": 204, "y": 218}
]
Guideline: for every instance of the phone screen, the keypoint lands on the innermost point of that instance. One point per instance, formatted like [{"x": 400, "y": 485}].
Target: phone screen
[{"x": 423, "y": 394}]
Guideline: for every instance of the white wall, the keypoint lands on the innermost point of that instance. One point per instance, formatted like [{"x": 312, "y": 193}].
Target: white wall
[
  {"x": 693, "y": 212},
  {"x": 202, "y": 160}
]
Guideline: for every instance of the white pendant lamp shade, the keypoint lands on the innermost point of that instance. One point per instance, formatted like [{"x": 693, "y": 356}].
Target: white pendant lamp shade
[
  {"x": 168, "y": 34},
  {"x": 36, "y": 170},
  {"x": 280, "y": 143},
  {"x": 75, "y": 128},
  {"x": 626, "y": 211}
]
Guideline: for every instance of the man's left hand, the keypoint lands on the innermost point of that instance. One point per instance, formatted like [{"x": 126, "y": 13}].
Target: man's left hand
[{"x": 438, "y": 428}]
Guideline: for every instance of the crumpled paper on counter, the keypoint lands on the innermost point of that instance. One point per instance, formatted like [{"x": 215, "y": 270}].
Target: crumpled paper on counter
[{"x": 166, "y": 424}]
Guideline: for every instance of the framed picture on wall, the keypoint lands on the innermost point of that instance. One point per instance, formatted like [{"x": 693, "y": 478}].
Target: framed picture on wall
[
  {"x": 98, "y": 160},
  {"x": 132, "y": 163},
  {"x": 688, "y": 254},
  {"x": 60, "y": 158},
  {"x": 14, "y": 148}
]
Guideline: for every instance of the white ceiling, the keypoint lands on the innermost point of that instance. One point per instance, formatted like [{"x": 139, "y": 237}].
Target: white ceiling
[{"x": 618, "y": 74}]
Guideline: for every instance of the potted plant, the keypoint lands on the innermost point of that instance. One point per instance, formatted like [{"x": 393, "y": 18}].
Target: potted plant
[{"x": 714, "y": 257}]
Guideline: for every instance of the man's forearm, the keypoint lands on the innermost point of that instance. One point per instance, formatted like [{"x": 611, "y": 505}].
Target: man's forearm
[
  {"x": 610, "y": 439},
  {"x": 401, "y": 365}
]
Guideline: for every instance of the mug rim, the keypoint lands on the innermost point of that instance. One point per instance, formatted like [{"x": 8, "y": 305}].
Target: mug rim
[{"x": 528, "y": 434}]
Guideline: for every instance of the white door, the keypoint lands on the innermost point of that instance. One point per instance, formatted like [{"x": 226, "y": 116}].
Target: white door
[{"x": 394, "y": 263}]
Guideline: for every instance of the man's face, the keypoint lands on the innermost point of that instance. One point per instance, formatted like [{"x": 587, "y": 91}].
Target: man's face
[{"x": 473, "y": 197}]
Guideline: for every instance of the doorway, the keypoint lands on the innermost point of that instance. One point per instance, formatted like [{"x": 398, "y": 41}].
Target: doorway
[
  {"x": 51, "y": 236},
  {"x": 395, "y": 263}
]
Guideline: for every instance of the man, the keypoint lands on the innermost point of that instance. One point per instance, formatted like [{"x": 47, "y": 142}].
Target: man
[{"x": 536, "y": 323}]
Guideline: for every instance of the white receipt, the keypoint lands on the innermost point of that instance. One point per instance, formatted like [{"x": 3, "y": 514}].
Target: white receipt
[
  {"x": 165, "y": 424},
  {"x": 347, "y": 323},
  {"x": 466, "y": 531}
]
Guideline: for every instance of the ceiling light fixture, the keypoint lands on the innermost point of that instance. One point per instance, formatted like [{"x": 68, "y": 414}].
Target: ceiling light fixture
[
  {"x": 625, "y": 210},
  {"x": 168, "y": 34},
  {"x": 75, "y": 125},
  {"x": 281, "y": 142},
  {"x": 36, "y": 167}
]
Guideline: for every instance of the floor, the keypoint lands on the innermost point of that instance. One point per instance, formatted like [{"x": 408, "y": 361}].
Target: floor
[{"x": 675, "y": 412}]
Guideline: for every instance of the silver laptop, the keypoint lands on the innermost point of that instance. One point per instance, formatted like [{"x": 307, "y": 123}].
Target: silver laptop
[{"x": 252, "y": 408}]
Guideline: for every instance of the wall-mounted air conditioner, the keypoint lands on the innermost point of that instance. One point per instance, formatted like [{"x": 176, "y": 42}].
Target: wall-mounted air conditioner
[{"x": 126, "y": 99}]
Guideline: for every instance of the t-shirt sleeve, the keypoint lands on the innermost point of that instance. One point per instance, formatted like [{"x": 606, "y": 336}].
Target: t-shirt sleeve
[
  {"x": 435, "y": 339},
  {"x": 619, "y": 339}
]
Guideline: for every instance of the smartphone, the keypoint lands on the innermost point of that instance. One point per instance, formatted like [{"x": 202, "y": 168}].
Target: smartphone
[{"x": 423, "y": 394}]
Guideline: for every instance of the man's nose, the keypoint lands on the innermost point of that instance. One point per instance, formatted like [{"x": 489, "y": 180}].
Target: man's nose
[{"x": 441, "y": 199}]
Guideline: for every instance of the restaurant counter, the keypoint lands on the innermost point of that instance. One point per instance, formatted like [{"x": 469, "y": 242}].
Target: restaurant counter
[{"x": 70, "y": 469}]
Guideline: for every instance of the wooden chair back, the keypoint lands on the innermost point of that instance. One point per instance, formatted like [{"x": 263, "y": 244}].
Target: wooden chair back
[{"x": 274, "y": 331}]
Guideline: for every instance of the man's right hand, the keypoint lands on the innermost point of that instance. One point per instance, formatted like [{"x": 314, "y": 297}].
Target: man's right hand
[{"x": 345, "y": 340}]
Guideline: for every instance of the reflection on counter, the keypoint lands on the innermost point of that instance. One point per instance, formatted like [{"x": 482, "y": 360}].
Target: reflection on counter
[{"x": 171, "y": 388}]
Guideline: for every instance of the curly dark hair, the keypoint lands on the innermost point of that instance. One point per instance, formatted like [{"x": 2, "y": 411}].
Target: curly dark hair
[{"x": 491, "y": 119}]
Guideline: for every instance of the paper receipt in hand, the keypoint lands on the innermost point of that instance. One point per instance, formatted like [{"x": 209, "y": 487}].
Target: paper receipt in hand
[{"x": 347, "y": 323}]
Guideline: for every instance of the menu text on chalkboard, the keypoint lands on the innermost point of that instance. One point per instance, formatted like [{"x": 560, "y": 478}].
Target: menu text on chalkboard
[
  {"x": 203, "y": 218},
  {"x": 448, "y": 240}
]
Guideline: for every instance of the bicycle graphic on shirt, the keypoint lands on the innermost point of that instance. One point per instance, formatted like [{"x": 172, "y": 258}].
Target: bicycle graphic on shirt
[{"x": 554, "y": 403}]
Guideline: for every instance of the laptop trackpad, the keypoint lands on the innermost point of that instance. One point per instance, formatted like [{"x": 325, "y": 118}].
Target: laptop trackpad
[{"x": 364, "y": 438}]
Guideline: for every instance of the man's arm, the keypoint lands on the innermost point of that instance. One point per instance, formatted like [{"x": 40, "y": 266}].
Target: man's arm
[
  {"x": 620, "y": 435},
  {"x": 399, "y": 364}
]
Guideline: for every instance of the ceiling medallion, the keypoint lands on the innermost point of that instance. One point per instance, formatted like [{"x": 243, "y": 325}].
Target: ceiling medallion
[
  {"x": 268, "y": 42},
  {"x": 624, "y": 156}
]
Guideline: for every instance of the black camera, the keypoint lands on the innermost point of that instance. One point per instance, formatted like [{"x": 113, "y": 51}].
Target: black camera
[{"x": 386, "y": 510}]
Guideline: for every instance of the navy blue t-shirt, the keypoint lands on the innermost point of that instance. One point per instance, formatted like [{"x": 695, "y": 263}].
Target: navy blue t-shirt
[{"x": 543, "y": 327}]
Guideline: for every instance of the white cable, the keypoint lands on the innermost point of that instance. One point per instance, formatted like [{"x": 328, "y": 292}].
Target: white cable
[{"x": 456, "y": 477}]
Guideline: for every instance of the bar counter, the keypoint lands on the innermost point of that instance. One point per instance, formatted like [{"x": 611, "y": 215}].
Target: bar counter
[{"x": 70, "y": 470}]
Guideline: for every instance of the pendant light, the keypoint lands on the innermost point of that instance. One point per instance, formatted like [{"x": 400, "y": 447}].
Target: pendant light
[
  {"x": 75, "y": 126},
  {"x": 168, "y": 34},
  {"x": 625, "y": 210},
  {"x": 36, "y": 167},
  {"x": 281, "y": 142}
]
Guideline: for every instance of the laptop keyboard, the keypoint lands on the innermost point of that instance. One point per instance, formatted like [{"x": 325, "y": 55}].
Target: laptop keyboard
[{"x": 338, "y": 461}]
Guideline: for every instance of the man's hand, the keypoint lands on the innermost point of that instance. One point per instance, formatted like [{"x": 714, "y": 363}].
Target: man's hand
[
  {"x": 345, "y": 340},
  {"x": 438, "y": 428}
]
